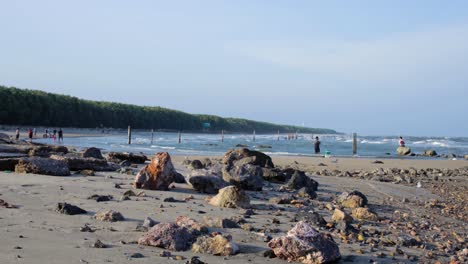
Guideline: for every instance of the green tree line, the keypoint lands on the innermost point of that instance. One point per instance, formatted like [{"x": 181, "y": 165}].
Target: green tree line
[{"x": 38, "y": 108}]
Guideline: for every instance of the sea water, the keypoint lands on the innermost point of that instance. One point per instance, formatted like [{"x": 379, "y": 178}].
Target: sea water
[{"x": 211, "y": 144}]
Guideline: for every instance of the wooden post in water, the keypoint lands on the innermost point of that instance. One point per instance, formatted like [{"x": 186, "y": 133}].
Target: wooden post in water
[
  {"x": 222, "y": 135},
  {"x": 180, "y": 137},
  {"x": 254, "y": 135},
  {"x": 129, "y": 135},
  {"x": 354, "y": 143},
  {"x": 278, "y": 136},
  {"x": 152, "y": 136}
]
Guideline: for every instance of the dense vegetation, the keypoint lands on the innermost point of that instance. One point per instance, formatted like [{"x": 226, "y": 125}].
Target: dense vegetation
[{"x": 37, "y": 108}]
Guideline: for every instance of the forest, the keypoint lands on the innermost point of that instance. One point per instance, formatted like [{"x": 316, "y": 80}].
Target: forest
[{"x": 26, "y": 107}]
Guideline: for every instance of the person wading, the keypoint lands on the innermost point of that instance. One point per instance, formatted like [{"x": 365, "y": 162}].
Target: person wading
[{"x": 317, "y": 145}]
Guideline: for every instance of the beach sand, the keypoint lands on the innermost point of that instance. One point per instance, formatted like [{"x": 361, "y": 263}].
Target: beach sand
[{"x": 35, "y": 233}]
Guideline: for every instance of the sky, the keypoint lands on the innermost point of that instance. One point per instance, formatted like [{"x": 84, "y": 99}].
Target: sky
[{"x": 371, "y": 67}]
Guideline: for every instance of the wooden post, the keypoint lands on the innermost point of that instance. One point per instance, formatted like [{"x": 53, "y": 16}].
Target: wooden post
[
  {"x": 152, "y": 136},
  {"x": 254, "y": 135},
  {"x": 129, "y": 135},
  {"x": 354, "y": 143},
  {"x": 222, "y": 135},
  {"x": 180, "y": 137},
  {"x": 278, "y": 136}
]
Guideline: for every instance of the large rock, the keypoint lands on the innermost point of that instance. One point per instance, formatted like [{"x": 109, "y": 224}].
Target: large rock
[
  {"x": 8, "y": 164},
  {"x": 109, "y": 216},
  {"x": 300, "y": 180},
  {"x": 340, "y": 215},
  {"x": 364, "y": 213},
  {"x": 203, "y": 181},
  {"x": 352, "y": 199},
  {"x": 5, "y": 139},
  {"x": 79, "y": 163},
  {"x": 218, "y": 245},
  {"x": 430, "y": 153},
  {"x": 305, "y": 244},
  {"x": 169, "y": 236},
  {"x": 46, "y": 150},
  {"x": 403, "y": 151},
  {"x": 43, "y": 166},
  {"x": 231, "y": 197},
  {"x": 196, "y": 165},
  {"x": 118, "y": 157},
  {"x": 157, "y": 175},
  {"x": 245, "y": 176},
  {"x": 193, "y": 226},
  {"x": 68, "y": 209},
  {"x": 258, "y": 158},
  {"x": 274, "y": 175},
  {"x": 92, "y": 153}
]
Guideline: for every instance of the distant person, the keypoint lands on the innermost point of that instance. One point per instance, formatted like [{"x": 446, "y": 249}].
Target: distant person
[
  {"x": 47, "y": 133},
  {"x": 60, "y": 135},
  {"x": 317, "y": 145},
  {"x": 30, "y": 134},
  {"x": 34, "y": 132},
  {"x": 17, "y": 133},
  {"x": 55, "y": 133},
  {"x": 401, "y": 142}
]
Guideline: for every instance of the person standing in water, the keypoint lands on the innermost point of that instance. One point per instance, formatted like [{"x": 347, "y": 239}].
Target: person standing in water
[
  {"x": 17, "y": 133},
  {"x": 60, "y": 135},
  {"x": 30, "y": 134},
  {"x": 317, "y": 145}
]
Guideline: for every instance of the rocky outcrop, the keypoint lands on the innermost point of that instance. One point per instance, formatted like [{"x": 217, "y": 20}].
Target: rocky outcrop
[
  {"x": 403, "y": 151},
  {"x": 430, "y": 153},
  {"x": 352, "y": 199},
  {"x": 274, "y": 175},
  {"x": 169, "y": 236},
  {"x": 203, "y": 181},
  {"x": 218, "y": 245},
  {"x": 300, "y": 180},
  {"x": 245, "y": 176},
  {"x": 256, "y": 157},
  {"x": 78, "y": 163},
  {"x": 118, "y": 157},
  {"x": 305, "y": 244},
  {"x": 231, "y": 197},
  {"x": 46, "y": 150},
  {"x": 43, "y": 166},
  {"x": 8, "y": 164},
  {"x": 157, "y": 175},
  {"x": 92, "y": 153}
]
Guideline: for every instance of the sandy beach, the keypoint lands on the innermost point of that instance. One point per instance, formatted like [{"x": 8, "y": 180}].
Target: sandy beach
[{"x": 35, "y": 233}]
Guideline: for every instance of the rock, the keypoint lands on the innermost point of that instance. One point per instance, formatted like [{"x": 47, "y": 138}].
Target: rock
[
  {"x": 46, "y": 151},
  {"x": 241, "y": 146},
  {"x": 305, "y": 244},
  {"x": 125, "y": 163},
  {"x": 231, "y": 197},
  {"x": 299, "y": 180},
  {"x": 218, "y": 245},
  {"x": 283, "y": 199},
  {"x": 264, "y": 147},
  {"x": 207, "y": 162},
  {"x": 87, "y": 172},
  {"x": 169, "y": 236},
  {"x": 172, "y": 200},
  {"x": 68, "y": 209},
  {"x": 269, "y": 254},
  {"x": 157, "y": 175},
  {"x": 305, "y": 192},
  {"x": 195, "y": 260},
  {"x": 258, "y": 158},
  {"x": 43, "y": 166},
  {"x": 109, "y": 216},
  {"x": 78, "y": 163},
  {"x": 179, "y": 178},
  {"x": 196, "y": 165},
  {"x": 312, "y": 218},
  {"x": 5, "y": 139},
  {"x": 220, "y": 222},
  {"x": 129, "y": 193},
  {"x": 149, "y": 223},
  {"x": 273, "y": 175},
  {"x": 8, "y": 164},
  {"x": 92, "y": 153},
  {"x": 245, "y": 176},
  {"x": 402, "y": 151},
  {"x": 193, "y": 226},
  {"x": 363, "y": 213},
  {"x": 100, "y": 198},
  {"x": 377, "y": 162},
  {"x": 353, "y": 199},
  {"x": 339, "y": 215},
  {"x": 430, "y": 153},
  {"x": 98, "y": 244},
  {"x": 136, "y": 255},
  {"x": 4, "y": 204},
  {"x": 202, "y": 181},
  {"x": 118, "y": 157}
]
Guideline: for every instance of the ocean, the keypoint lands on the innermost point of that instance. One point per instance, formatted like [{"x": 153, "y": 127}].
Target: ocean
[{"x": 210, "y": 144}]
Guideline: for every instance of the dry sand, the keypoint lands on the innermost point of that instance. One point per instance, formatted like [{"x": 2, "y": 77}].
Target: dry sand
[{"x": 35, "y": 233}]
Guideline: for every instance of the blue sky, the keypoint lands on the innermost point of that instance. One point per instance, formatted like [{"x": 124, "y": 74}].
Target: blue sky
[{"x": 374, "y": 67}]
